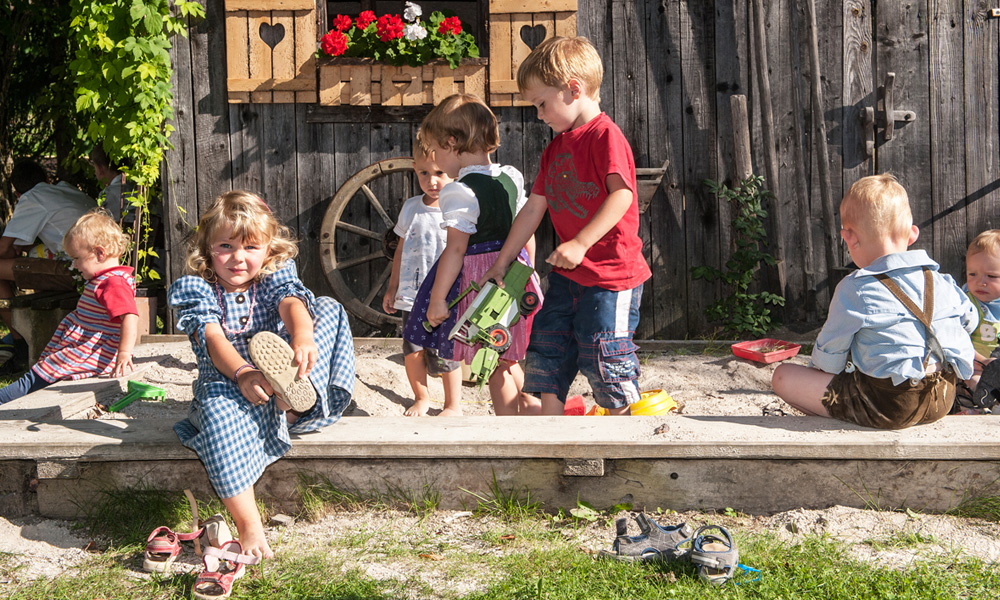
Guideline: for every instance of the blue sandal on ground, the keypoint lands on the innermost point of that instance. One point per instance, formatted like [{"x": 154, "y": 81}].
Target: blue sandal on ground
[
  {"x": 655, "y": 543},
  {"x": 714, "y": 553}
]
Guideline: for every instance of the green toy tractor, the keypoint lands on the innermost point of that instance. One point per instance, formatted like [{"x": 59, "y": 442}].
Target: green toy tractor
[{"x": 489, "y": 318}]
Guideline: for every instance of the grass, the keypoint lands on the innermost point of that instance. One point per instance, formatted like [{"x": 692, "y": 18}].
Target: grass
[
  {"x": 510, "y": 504},
  {"x": 320, "y": 496},
  {"x": 556, "y": 569},
  {"x": 509, "y": 550}
]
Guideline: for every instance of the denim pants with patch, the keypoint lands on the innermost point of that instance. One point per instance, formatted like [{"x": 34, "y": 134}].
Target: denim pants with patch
[{"x": 589, "y": 330}]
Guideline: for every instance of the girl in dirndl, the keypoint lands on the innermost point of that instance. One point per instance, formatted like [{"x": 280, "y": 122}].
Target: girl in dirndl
[
  {"x": 97, "y": 338},
  {"x": 273, "y": 359}
]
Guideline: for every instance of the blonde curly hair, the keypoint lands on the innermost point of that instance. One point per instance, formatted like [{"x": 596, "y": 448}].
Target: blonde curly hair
[
  {"x": 250, "y": 219},
  {"x": 97, "y": 228}
]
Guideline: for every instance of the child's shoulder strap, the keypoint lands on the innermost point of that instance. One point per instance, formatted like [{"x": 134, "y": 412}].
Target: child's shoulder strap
[{"x": 925, "y": 316}]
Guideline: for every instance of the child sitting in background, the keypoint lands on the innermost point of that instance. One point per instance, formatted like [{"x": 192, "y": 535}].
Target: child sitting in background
[
  {"x": 421, "y": 241},
  {"x": 98, "y": 337},
  {"x": 982, "y": 284},
  {"x": 896, "y": 340},
  {"x": 478, "y": 209}
]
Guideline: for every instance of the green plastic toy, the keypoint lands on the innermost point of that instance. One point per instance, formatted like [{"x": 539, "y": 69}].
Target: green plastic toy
[
  {"x": 488, "y": 319},
  {"x": 136, "y": 391}
]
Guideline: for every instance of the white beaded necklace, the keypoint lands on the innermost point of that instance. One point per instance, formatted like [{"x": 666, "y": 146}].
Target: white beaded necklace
[{"x": 222, "y": 305}]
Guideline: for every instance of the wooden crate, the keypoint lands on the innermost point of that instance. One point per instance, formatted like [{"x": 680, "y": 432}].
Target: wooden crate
[
  {"x": 365, "y": 82},
  {"x": 516, "y": 27},
  {"x": 270, "y": 50}
]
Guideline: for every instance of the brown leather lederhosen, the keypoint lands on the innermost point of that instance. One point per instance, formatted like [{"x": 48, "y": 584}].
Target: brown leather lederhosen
[{"x": 875, "y": 402}]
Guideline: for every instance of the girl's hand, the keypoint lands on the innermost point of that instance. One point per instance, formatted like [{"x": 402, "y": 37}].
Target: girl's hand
[
  {"x": 437, "y": 312},
  {"x": 123, "y": 365},
  {"x": 388, "y": 301},
  {"x": 567, "y": 255},
  {"x": 254, "y": 386},
  {"x": 306, "y": 353}
]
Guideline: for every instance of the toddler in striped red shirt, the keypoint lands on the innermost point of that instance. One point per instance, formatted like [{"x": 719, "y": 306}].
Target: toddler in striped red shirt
[{"x": 98, "y": 337}]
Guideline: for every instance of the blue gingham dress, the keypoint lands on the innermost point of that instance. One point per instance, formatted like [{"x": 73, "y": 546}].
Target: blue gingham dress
[{"x": 235, "y": 439}]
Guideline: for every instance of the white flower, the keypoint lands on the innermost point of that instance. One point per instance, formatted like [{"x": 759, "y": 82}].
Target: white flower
[
  {"x": 412, "y": 12},
  {"x": 414, "y": 32}
]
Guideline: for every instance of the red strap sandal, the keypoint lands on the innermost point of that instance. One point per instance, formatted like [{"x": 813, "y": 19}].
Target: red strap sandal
[
  {"x": 223, "y": 566},
  {"x": 163, "y": 547}
]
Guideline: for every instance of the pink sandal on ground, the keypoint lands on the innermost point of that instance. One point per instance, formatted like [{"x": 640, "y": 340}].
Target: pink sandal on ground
[
  {"x": 223, "y": 566},
  {"x": 163, "y": 547}
]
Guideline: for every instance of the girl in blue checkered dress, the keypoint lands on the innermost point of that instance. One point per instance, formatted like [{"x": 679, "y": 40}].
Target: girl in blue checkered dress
[{"x": 244, "y": 282}]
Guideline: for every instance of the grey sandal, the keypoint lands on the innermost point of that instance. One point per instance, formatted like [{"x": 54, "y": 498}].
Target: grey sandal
[
  {"x": 654, "y": 544},
  {"x": 276, "y": 360},
  {"x": 715, "y": 554}
]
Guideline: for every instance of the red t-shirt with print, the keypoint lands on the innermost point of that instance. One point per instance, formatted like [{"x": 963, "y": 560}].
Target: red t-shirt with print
[{"x": 573, "y": 179}]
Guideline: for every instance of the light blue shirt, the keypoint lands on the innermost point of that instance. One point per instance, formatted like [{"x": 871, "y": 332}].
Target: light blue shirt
[{"x": 882, "y": 338}]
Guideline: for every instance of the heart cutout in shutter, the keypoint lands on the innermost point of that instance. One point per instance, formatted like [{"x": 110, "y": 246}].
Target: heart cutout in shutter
[
  {"x": 532, "y": 36},
  {"x": 272, "y": 34}
]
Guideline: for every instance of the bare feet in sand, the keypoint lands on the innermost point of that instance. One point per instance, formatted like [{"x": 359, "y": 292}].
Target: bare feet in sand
[
  {"x": 419, "y": 408},
  {"x": 451, "y": 412}
]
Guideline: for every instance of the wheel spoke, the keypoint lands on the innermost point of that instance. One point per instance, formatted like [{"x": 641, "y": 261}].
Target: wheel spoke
[
  {"x": 384, "y": 277},
  {"x": 350, "y": 262},
  {"x": 373, "y": 200},
  {"x": 359, "y": 230}
]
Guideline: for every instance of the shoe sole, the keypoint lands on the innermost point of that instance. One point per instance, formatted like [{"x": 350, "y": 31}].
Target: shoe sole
[{"x": 276, "y": 360}]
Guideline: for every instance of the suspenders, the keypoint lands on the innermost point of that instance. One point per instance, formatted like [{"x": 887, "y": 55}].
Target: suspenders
[{"x": 925, "y": 316}]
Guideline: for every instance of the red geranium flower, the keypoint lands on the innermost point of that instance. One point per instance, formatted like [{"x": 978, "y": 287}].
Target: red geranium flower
[
  {"x": 451, "y": 24},
  {"x": 365, "y": 19},
  {"x": 334, "y": 43},
  {"x": 389, "y": 27},
  {"x": 341, "y": 23}
]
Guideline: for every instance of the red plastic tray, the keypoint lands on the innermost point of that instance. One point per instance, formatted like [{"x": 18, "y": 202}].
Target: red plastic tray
[{"x": 754, "y": 350}]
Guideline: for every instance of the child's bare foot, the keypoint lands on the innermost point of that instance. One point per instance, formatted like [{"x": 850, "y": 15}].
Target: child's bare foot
[
  {"x": 419, "y": 408},
  {"x": 254, "y": 543},
  {"x": 451, "y": 412}
]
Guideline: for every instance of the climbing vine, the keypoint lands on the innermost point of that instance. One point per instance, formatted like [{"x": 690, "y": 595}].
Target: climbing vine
[
  {"x": 742, "y": 312},
  {"x": 122, "y": 71}
]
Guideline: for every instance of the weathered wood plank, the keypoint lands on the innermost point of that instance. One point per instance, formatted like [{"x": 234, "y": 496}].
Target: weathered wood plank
[
  {"x": 701, "y": 219},
  {"x": 668, "y": 307},
  {"x": 280, "y": 175},
  {"x": 177, "y": 173},
  {"x": 314, "y": 155},
  {"x": 246, "y": 134},
  {"x": 858, "y": 88},
  {"x": 826, "y": 108},
  {"x": 982, "y": 182},
  {"x": 732, "y": 65},
  {"x": 353, "y": 145},
  {"x": 208, "y": 77},
  {"x": 800, "y": 294},
  {"x": 948, "y": 226},
  {"x": 902, "y": 45}
]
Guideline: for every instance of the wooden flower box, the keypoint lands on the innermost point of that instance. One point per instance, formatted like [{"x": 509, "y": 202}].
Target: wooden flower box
[{"x": 365, "y": 82}]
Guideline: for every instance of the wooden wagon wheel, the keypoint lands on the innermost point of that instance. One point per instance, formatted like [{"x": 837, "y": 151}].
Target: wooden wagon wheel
[{"x": 351, "y": 237}]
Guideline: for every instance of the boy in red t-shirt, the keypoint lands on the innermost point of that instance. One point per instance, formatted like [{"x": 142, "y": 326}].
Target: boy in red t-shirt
[{"x": 587, "y": 182}]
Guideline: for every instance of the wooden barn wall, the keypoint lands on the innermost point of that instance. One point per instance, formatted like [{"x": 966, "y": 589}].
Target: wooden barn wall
[{"x": 670, "y": 69}]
